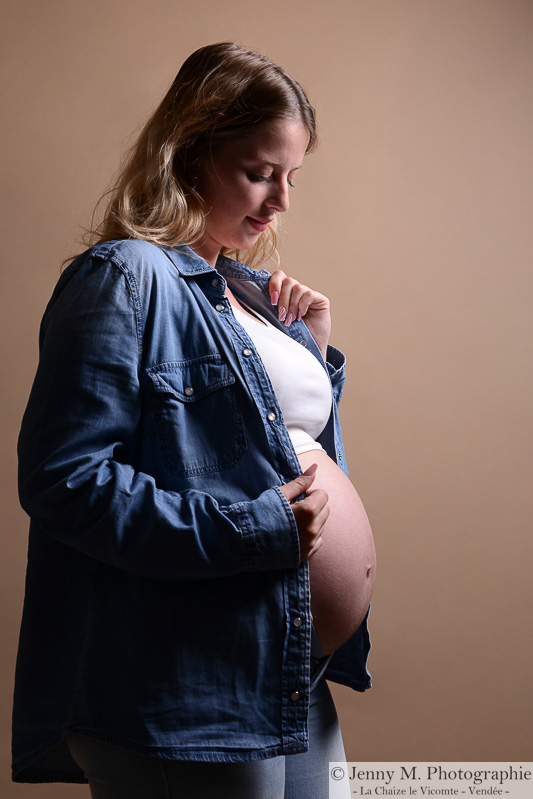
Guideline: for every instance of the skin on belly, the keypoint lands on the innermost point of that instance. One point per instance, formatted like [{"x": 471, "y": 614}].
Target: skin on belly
[{"x": 342, "y": 571}]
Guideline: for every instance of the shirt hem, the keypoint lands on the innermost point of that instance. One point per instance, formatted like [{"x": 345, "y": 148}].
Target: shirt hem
[{"x": 22, "y": 771}]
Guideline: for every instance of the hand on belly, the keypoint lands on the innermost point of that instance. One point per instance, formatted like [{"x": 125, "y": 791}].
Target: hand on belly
[{"x": 342, "y": 569}]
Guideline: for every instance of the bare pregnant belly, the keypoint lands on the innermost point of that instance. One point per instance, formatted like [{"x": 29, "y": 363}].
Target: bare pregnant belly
[{"x": 342, "y": 571}]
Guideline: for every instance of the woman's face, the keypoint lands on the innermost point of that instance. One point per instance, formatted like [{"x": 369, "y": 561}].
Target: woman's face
[{"x": 246, "y": 183}]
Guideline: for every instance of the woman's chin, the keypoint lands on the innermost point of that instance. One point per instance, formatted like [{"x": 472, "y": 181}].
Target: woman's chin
[{"x": 243, "y": 243}]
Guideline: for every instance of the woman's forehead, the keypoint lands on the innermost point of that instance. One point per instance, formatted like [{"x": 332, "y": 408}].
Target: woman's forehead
[{"x": 271, "y": 143}]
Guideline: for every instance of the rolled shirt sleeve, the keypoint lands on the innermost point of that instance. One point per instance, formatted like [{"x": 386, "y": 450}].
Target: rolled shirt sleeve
[{"x": 336, "y": 366}]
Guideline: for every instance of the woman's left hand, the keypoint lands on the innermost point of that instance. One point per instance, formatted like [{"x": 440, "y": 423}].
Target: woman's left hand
[{"x": 296, "y": 301}]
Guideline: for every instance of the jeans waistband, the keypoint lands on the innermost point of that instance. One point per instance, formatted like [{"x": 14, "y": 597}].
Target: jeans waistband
[
  {"x": 319, "y": 661},
  {"x": 318, "y": 667}
]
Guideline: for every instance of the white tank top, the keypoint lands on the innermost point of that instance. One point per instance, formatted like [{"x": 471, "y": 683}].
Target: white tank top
[{"x": 299, "y": 381}]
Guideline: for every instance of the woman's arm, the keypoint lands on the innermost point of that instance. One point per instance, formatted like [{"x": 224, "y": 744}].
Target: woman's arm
[{"x": 80, "y": 437}]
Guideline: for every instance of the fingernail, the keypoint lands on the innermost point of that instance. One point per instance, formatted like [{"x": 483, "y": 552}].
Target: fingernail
[
  {"x": 288, "y": 320},
  {"x": 282, "y": 313},
  {"x": 311, "y": 470},
  {"x": 274, "y": 297},
  {"x": 299, "y": 316}
]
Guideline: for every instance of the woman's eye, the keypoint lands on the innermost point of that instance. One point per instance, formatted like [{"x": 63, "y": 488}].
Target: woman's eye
[
  {"x": 256, "y": 178},
  {"x": 259, "y": 178}
]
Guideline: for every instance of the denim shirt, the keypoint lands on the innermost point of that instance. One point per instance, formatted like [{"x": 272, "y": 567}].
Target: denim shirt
[{"x": 166, "y": 609}]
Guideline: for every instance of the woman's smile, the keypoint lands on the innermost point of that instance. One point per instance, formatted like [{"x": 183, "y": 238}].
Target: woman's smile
[{"x": 259, "y": 224}]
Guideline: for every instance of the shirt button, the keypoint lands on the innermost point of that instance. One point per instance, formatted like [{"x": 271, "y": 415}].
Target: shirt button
[
  {"x": 247, "y": 352},
  {"x": 220, "y": 307},
  {"x": 189, "y": 391},
  {"x": 271, "y": 416},
  {"x": 215, "y": 282},
  {"x": 295, "y": 696},
  {"x": 297, "y": 621}
]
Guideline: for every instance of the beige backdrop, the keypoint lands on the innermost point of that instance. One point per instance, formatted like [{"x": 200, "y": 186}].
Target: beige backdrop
[{"x": 415, "y": 217}]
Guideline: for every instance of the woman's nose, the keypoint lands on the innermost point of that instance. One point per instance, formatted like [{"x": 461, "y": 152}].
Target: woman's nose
[{"x": 279, "y": 197}]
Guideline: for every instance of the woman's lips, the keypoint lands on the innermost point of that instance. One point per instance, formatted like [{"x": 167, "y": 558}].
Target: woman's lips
[{"x": 258, "y": 224}]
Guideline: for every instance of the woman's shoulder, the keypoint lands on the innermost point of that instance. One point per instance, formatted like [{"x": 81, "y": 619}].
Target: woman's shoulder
[
  {"x": 141, "y": 261},
  {"x": 127, "y": 254}
]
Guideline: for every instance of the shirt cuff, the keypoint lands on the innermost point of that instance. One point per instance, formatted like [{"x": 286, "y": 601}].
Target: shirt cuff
[
  {"x": 269, "y": 532},
  {"x": 336, "y": 364}
]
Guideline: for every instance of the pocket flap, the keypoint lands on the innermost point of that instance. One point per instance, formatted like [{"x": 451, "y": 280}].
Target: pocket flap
[{"x": 191, "y": 380}]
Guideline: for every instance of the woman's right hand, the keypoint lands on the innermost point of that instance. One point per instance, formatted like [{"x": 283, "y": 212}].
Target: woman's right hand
[{"x": 311, "y": 512}]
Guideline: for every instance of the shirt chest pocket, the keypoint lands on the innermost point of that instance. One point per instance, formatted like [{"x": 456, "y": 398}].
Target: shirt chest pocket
[{"x": 197, "y": 416}]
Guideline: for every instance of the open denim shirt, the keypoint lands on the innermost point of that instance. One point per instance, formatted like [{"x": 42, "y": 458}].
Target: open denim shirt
[{"x": 166, "y": 609}]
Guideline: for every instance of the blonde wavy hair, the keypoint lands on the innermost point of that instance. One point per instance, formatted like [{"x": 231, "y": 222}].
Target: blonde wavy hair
[{"x": 221, "y": 92}]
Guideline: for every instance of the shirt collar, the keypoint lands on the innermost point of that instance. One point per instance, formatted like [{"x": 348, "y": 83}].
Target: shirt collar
[{"x": 188, "y": 263}]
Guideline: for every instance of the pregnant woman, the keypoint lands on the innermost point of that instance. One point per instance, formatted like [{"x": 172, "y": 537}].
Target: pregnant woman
[{"x": 199, "y": 562}]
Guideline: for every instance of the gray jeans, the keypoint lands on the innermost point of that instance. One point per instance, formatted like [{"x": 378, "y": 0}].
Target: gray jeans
[{"x": 115, "y": 773}]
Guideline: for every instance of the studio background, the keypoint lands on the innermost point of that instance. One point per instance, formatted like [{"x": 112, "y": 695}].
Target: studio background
[{"x": 415, "y": 218}]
